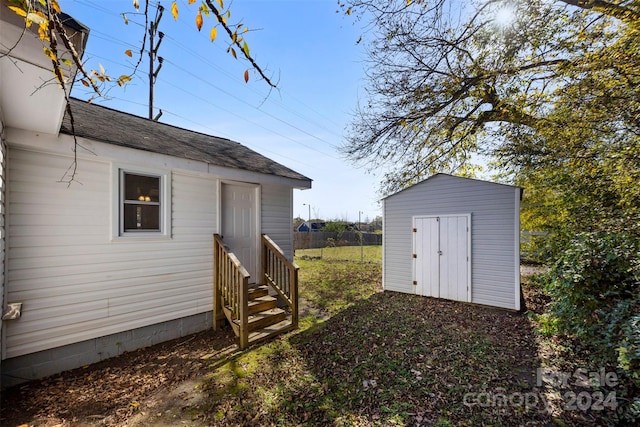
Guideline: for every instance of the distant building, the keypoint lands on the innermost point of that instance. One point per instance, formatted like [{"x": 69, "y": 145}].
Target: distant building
[{"x": 307, "y": 226}]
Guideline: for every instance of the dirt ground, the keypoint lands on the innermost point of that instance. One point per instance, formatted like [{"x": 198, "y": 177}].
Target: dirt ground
[
  {"x": 154, "y": 385},
  {"x": 122, "y": 389},
  {"x": 151, "y": 386}
]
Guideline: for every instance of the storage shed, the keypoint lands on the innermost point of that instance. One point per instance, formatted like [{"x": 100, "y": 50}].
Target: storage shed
[{"x": 454, "y": 238}]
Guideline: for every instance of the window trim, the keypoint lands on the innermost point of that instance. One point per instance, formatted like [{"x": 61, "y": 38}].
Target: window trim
[{"x": 118, "y": 203}]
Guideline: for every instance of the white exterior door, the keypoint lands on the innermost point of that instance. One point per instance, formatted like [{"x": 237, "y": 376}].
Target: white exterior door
[
  {"x": 442, "y": 261},
  {"x": 427, "y": 264},
  {"x": 240, "y": 223}
]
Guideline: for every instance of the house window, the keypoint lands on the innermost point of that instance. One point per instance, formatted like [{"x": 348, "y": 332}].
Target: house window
[
  {"x": 142, "y": 200},
  {"x": 141, "y": 203}
]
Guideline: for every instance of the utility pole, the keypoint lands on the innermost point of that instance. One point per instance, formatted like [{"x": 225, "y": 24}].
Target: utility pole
[
  {"x": 361, "y": 236},
  {"x": 153, "y": 50}
]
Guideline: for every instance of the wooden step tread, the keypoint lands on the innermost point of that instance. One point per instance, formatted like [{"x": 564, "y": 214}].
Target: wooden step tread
[
  {"x": 271, "y": 331},
  {"x": 264, "y": 318},
  {"x": 257, "y": 291},
  {"x": 262, "y": 303}
]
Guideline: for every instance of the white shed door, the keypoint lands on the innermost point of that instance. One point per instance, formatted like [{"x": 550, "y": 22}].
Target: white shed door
[
  {"x": 239, "y": 222},
  {"x": 441, "y": 251}
]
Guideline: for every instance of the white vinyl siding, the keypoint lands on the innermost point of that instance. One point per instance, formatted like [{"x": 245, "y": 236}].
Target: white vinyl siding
[
  {"x": 494, "y": 228},
  {"x": 3, "y": 187},
  {"x": 75, "y": 283},
  {"x": 277, "y": 216}
]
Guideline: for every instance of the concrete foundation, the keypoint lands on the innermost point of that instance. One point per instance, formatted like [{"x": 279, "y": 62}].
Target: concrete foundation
[{"x": 42, "y": 364}]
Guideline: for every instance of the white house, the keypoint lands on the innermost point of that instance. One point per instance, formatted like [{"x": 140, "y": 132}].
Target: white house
[
  {"x": 454, "y": 238},
  {"x": 122, "y": 257}
]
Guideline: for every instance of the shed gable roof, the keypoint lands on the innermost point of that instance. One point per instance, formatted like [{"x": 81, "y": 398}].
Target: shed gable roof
[
  {"x": 437, "y": 176},
  {"x": 126, "y": 130}
]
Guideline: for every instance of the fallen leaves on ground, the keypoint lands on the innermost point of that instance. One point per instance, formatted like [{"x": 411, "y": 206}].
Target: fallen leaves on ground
[{"x": 361, "y": 358}]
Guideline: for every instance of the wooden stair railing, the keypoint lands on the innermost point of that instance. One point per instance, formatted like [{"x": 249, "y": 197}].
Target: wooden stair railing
[
  {"x": 231, "y": 286},
  {"x": 281, "y": 274},
  {"x": 252, "y": 313}
]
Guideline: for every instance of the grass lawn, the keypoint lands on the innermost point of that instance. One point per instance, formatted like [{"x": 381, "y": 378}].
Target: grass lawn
[
  {"x": 361, "y": 357},
  {"x": 381, "y": 358},
  {"x": 343, "y": 253}
]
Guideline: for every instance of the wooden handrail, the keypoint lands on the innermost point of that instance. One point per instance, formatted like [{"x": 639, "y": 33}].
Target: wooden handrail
[
  {"x": 281, "y": 274},
  {"x": 230, "y": 288}
]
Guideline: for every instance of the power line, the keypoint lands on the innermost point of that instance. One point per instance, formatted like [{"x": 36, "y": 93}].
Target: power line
[
  {"x": 206, "y": 101},
  {"x": 260, "y": 93},
  {"x": 195, "y": 76},
  {"x": 204, "y": 126},
  {"x": 225, "y": 73}
]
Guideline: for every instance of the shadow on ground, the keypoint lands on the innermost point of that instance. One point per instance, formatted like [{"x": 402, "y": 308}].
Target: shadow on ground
[{"x": 391, "y": 359}]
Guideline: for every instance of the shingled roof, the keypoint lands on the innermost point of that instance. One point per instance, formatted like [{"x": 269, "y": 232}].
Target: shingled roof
[{"x": 126, "y": 130}]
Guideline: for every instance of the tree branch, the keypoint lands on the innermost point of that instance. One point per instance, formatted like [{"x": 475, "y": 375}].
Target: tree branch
[
  {"x": 234, "y": 41},
  {"x": 616, "y": 10}
]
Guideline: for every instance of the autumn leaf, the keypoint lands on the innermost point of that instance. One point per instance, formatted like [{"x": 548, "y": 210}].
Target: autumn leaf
[
  {"x": 55, "y": 6},
  {"x": 213, "y": 33},
  {"x": 220, "y": 2},
  {"x": 123, "y": 80},
  {"x": 49, "y": 53},
  {"x": 233, "y": 52},
  {"x": 199, "y": 21},
  {"x": 192, "y": 1},
  {"x": 84, "y": 82},
  {"x": 136, "y": 4},
  {"x": 205, "y": 10},
  {"x": 126, "y": 20},
  {"x": 18, "y": 11},
  {"x": 174, "y": 10},
  {"x": 38, "y": 18},
  {"x": 245, "y": 48},
  {"x": 246, "y": 76}
]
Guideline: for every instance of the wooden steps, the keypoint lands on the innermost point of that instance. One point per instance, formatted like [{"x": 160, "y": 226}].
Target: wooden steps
[
  {"x": 262, "y": 303},
  {"x": 271, "y": 331},
  {"x": 266, "y": 319},
  {"x": 257, "y": 291}
]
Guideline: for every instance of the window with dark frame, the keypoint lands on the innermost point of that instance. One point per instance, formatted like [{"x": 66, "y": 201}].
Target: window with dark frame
[{"x": 141, "y": 203}]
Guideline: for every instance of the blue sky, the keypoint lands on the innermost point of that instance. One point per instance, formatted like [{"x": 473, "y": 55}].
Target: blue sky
[{"x": 306, "y": 46}]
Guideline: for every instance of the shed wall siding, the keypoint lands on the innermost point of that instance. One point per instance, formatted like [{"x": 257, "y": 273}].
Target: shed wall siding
[
  {"x": 493, "y": 228},
  {"x": 75, "y": 283},
  {"x": 3, "y": 188},
  {"x": 277, "y": 215}
]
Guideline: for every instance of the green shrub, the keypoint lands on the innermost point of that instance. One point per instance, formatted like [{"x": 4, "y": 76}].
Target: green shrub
[
  {"x": 594, "y": 287},
  {"x": 590, "y": 278}
]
